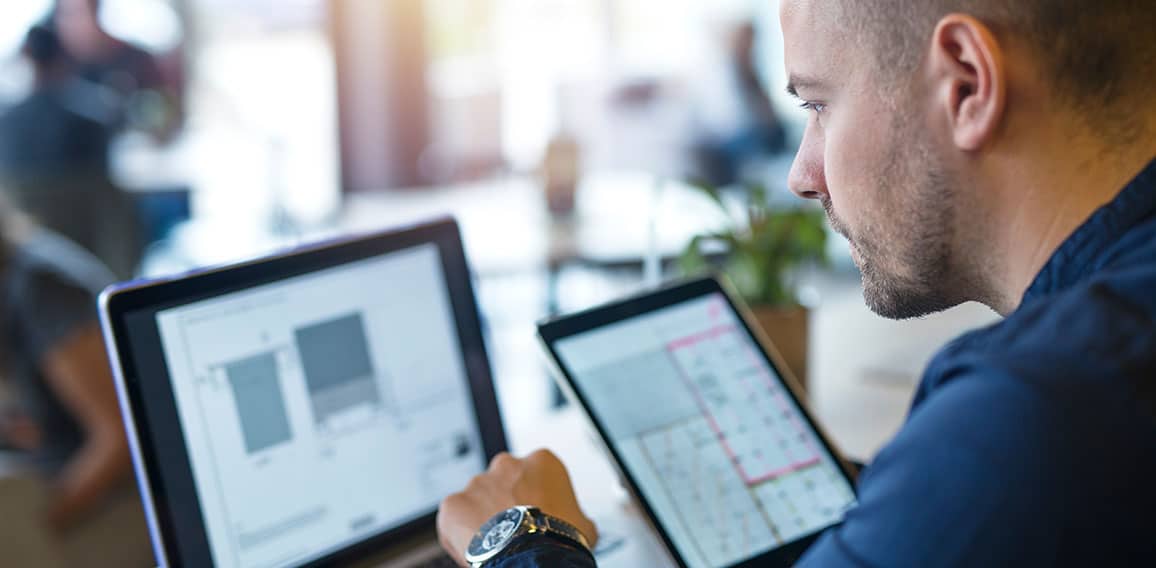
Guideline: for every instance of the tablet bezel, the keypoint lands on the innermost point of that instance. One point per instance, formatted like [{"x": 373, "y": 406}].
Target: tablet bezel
[
  {"x": 553, "y": 330},
  {"x": 160, "y": 455}
]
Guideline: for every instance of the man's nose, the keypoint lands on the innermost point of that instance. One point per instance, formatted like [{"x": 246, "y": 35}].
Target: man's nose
[{"x": 807, "y": 178}]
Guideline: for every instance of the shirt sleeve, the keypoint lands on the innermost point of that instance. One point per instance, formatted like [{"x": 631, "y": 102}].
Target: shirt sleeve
[
  {"x": 541, "y": 551},
  {"x": 992, "y": 469}
]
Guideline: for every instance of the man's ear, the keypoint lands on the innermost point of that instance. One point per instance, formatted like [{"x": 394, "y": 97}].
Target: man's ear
[{"x": 969, "y": 79}]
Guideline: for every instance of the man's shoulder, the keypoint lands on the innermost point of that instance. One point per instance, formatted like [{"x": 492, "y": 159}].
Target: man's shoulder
[
  {"x": 1103, "y": 327},
  {"x": 1088, "y": 351},
  {"x": 1059, "y": 397}
]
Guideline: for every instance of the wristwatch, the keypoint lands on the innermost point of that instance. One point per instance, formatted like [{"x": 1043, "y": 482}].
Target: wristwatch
[{"x": 504, "y": 528}]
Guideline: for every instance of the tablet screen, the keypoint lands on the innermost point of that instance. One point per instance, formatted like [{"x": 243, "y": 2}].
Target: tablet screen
[{"x": 715, "y": 443}]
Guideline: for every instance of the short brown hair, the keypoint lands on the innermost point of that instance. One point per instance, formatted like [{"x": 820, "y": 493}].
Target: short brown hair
[{"x": 1100, "y": 56}]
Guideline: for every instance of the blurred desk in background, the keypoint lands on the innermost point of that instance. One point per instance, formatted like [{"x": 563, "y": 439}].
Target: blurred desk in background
[
  {"x": 112, "y": 534},
  {"x": 620, "y": 217}
]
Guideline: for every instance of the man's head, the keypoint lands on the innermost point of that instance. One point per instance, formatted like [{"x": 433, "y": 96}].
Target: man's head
[
  {"x": 42, "y": 49},
  {"x": 78, "y": 22},
  {"x": 922, "y": 110}
]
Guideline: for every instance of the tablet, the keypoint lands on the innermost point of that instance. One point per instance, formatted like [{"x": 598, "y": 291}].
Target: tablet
[{"x": 704, "y": 424}]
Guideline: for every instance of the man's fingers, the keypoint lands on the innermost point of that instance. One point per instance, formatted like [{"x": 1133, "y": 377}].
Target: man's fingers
[
  {"x": 545, "y": 458},
  {"x": 476, "y": 484},
  {"x": 449, "y": 514},
  {"x": 503, "y": 463}
]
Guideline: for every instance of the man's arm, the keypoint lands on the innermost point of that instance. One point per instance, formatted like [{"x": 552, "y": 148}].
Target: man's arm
[
  {"x": 540, "y": 551},
  {"x": 996, "y": 470},
  {"x": 539, "y": 480}
]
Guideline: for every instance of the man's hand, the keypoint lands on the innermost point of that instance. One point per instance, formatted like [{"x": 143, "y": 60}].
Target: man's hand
[{"x": 539, "y": 480}]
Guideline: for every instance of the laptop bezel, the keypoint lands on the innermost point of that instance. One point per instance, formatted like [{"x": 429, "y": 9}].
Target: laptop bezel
[
  {"x": 553, "y": 330},
  {"x": 166, "y": 511}
]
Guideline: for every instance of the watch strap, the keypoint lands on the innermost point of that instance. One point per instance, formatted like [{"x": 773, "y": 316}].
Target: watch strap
[
  {"x": 530, "y": 541},
  {"x": 553, "y": 525}
]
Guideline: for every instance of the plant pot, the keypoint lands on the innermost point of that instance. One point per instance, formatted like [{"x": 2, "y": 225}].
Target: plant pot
[{"x": 787, "y": 328}]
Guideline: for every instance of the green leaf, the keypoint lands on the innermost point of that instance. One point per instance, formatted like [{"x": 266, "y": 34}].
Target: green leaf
[
  {"x": 712, "y": 193},
  {"x": 692, "y": 261},
  {"x": 763, "y": 252}
]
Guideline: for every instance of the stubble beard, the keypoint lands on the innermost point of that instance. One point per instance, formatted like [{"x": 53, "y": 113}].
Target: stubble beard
[{"x": 905, "y": 257}]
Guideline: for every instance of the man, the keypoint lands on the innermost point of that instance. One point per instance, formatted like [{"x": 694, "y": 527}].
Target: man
[
  {"x": 54, "y": 158},
  {"x": 973, "y": 150},
  {"x": 146, "y": 88}
]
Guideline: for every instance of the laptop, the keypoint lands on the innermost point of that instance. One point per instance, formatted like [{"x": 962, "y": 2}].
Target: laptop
[{"x": 309, "y": 408}]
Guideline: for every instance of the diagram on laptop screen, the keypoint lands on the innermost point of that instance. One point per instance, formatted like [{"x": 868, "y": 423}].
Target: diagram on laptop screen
[
  {"x": 337, "y": 365},
  {"x": 301, "y": 433},
  {"x": 331, "y": 358},
  {"x": 717, "y": 444},
  {"x": 256, "y": 385}
]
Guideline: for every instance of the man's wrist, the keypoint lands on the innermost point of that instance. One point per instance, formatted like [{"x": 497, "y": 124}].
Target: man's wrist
[
  {"x": 510, "y": 531},
  {"x": 532, "y": 543}
]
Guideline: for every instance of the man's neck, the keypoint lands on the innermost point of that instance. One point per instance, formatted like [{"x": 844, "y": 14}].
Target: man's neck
[{"x": 1050, "y": 193}]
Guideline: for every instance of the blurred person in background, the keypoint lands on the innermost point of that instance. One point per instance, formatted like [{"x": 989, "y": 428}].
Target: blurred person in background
[
  {"x": 738, "y": 122},
  {"x": 54, "y": 157},
  {"x": 61, "y": 417},
  {"x": 146, "y": 88}
]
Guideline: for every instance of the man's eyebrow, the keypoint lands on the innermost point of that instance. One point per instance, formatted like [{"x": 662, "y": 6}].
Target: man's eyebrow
[{"x": 797, "y": 82}]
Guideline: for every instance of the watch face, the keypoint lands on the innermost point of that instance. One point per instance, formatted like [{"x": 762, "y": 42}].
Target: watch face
[{"x": 495, "y": 533}]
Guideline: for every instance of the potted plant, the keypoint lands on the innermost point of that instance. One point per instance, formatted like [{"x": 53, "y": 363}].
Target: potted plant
[{"x": 760, "y": 249}]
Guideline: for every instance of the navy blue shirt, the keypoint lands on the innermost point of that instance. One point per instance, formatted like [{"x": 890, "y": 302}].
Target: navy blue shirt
[{"x": 1031, "y": 442}]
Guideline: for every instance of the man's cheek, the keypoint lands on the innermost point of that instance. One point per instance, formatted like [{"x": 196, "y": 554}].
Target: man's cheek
[
  {"x": 851, "y": 151},
  {"x": 841, "y": 185}
]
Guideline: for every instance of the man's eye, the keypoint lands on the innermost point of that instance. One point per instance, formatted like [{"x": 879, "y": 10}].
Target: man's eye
[{"x": 817, "y": 108}]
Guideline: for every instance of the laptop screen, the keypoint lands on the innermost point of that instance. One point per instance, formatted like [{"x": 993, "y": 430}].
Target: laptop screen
[{"x": 321, "y": 410}]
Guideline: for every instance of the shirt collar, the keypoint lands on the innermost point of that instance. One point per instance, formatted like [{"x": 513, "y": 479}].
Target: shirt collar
[{"x": 1085, "y": 250}]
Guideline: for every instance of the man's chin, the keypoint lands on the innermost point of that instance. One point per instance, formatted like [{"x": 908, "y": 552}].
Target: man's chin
[{"x": 900, "y": 303}]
